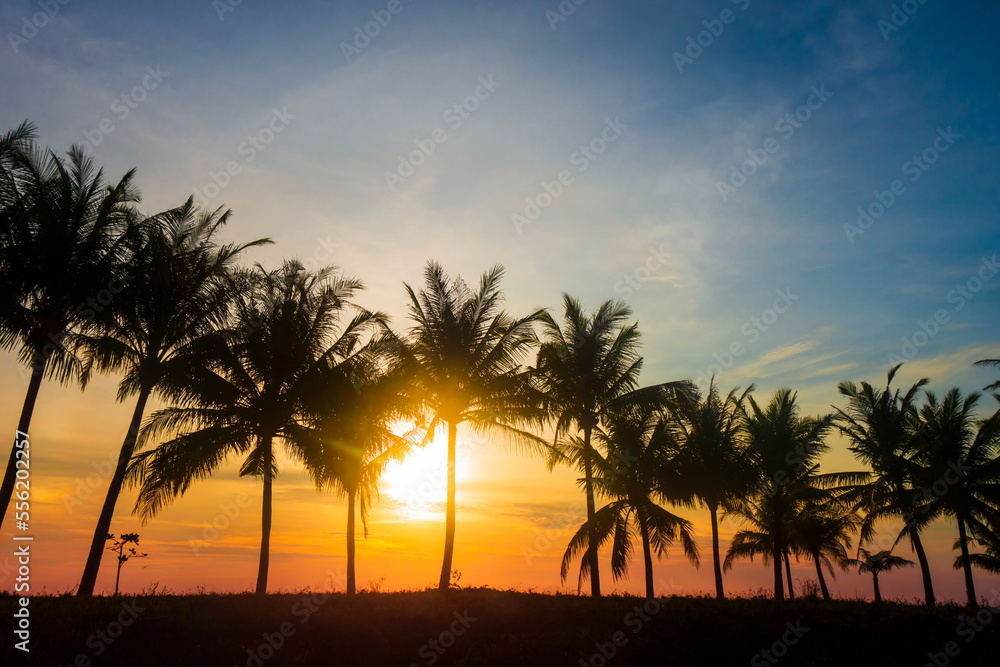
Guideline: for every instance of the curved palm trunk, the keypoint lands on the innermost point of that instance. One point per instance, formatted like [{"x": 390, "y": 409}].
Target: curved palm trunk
[
  {"x": 90, "y": 570},
  {"x": 788, "y": 571},
  {"x": 819, "y": 573},
  {"x": 716, "y": 556},
  {"x": 595, "y": 573},
  {"x": 925, "y": 568},
  {"x": 647, "y": 557},
  {"x": 265, "y": 528},
  {"x": 449, "y": 523},
  {"x": 963, "y": 540},
  {"x": 878, "y": 593},
  {"x": 350, "y": 542},
  {"x": 7, "y": 488}
]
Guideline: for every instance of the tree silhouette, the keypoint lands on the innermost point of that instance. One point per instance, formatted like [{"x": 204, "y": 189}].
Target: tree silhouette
[
  {"x": 64, "y": 239},
  {"x": 633, "y": 440},
  {"x": 707, "y": 458},
  {"x": 881, "y": 426},
  {"x": 990, "y": 363},
  {"x": 956, "y": 464},
  {"x": 181, "y": 287},
  {"x": 248, "y": 393},
  {"x": 463, "y": 355},
  {"x": 124, "y": 556},
  {"x": 875, "y": 564},
  {"x": 823, "y": 532}
]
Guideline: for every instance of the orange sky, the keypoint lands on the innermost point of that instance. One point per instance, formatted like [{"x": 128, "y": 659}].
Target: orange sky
[{"x": 514, "y": 520}]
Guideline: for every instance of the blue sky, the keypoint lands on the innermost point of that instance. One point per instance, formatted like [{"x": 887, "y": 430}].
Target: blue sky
[
  {"x": 592, "y": 120},
  {"x": 647, "y": 207}
]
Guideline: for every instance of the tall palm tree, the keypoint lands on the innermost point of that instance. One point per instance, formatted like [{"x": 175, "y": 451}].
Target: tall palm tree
[
  {"x": 707, "y": 458},
  {"x": 957, "y": 465},
  {"x": 634, "y": 441},
  {"x": 181, "y": 287},
  {"x": 823, "y": 532},
  {"x": 783, "y": 449},
  {"x": 876, "y": 564},
  {"x": 249, "y": 392},
  {"x": 354, "y": 411},
  {"x": 881, "y": 425},
  {"x": 463, "y": 354},
  {"x": 62, "y": 247},
  {"x": 586, "y": 369}
]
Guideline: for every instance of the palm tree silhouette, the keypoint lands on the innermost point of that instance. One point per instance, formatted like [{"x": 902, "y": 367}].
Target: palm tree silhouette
[
  {"x": 989, "y": 558},
  {"x": 634, "y": 441},
  {"x": 956, "y": 463},
  {"x": 180, "y": 289},
  {"x": 823, "y": 532},
  {"x": 586, "y": 369},
  {"x": 881, "y": 426},
  {"x": 876, "y": 564},
  {"x": 250, "y": 390},
  {"x": 63, "y": 242},
  {"x": 990, "y": 363},
  {"x": 707, "y": 461},
  {"x": 355, "y": 408},
  {"x": 463, "y": 356},
  {"x": 783, "y": 449}
]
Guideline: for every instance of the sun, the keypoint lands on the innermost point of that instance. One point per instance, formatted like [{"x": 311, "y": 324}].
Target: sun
[{"x": 420, "y": 483}]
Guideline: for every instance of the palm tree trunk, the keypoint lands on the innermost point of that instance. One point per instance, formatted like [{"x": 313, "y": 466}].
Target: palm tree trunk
[
  {"x": 925, "y": 568},
  {"x": 7, "y": 488},
  {"x": 90, "y": 570},
  {"x": 647, "y": 557},
  {"x": 449, "y": 522},
  {"x": 878, "y": 593},
  {"x": 265, "y": 527},
  {"x": 779, "y": 578},
  {"x": 963, "y": 540},
  {"x": 788, "y": 571},
  {"x": 595, "y": 573},
  {"x": 822, "y": 581},
  {"x": 350, "y": 542},
  {"x": 716, "y": 556}
]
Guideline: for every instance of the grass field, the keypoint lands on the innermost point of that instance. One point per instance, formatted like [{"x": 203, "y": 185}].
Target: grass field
[{"x": 488, "y": 627}]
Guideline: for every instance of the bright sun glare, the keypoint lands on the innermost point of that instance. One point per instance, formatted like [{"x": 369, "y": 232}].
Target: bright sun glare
[{"x": 420, "y": 482}]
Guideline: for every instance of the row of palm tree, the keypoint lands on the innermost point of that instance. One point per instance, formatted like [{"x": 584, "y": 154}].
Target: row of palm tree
[{"x": 248, "y": 362}]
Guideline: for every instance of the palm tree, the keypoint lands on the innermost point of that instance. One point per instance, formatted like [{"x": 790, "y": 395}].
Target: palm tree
[
  {"x": 823, "y": 532},
  {"x": 633, "y": 440},
  {"x": 707, "y": 461},
  {"x": 957, "y": 465},
  {"x": 586, "y": 369},
  {"x": 61, "y": 250},
  {"x": 876, "y": 564},
  {"x": 990, "y": 363},
  {"x": 249, "y": 392},
  {"x": 357, "y": 405},
  {"x": 881, "y": 426},
  {"x": 463, "y": 356},
  {"x": 989, "y": 558},
  {"x": 783, "y": 449},
  {"x": 180, "y": 289}
]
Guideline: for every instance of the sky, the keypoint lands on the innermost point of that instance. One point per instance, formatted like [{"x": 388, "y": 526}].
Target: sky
[{"x": 786, "y": 194}]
